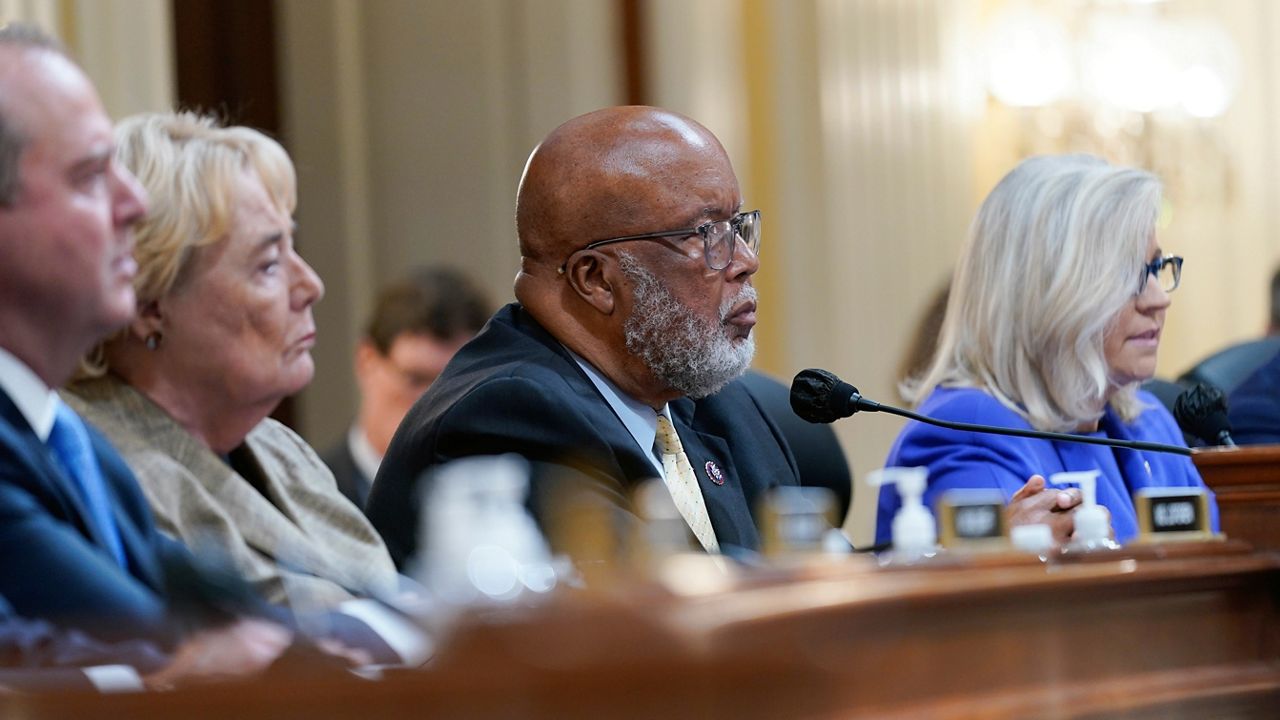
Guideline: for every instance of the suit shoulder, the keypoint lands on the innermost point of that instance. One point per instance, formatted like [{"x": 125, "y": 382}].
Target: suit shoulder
[{"x": 520, "y": 390}]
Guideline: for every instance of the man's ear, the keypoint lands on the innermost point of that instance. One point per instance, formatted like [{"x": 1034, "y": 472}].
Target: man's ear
[
  {"x": 364, "y": 362},
  {"x": 148, "y": 321},
  {"x": 592, "y": 277}
]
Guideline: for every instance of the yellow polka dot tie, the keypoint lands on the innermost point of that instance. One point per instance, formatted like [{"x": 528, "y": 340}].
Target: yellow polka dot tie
[{"x": 684, "y": 486}]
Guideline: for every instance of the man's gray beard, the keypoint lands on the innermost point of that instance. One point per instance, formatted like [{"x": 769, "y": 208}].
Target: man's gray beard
[{"x": 691, "y": 354}]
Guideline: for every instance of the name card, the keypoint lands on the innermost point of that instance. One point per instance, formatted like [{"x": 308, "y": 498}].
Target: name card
[
  {"x": 796, "y": 519},
  {"x": 1172, "y": 514},
  {"x": 972, "y": 519}
]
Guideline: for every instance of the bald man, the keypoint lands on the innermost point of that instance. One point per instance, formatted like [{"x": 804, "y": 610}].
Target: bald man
[{"x": 618, "y": 362}]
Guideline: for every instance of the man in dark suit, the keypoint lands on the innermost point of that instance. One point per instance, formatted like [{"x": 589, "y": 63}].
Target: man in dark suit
[
  {"x": 416, "y": 327},
  {"x": 77, "y": 545},
  {"x": 618, "y": 362},
  {"x": 1254, "y": 406},
  {"x": 65, "y": 218}
]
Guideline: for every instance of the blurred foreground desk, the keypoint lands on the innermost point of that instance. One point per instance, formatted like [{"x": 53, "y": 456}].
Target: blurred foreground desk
[
  {"x": 1187, "y": 631},
  {"x": 1246, "y": 481}
]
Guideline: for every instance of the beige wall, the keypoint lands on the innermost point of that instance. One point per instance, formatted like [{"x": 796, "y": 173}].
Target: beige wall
[{"x": 125, "y": 46}]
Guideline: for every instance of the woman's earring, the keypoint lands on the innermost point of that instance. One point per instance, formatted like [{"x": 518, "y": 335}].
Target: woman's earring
[{"x": 153, "y": 341}]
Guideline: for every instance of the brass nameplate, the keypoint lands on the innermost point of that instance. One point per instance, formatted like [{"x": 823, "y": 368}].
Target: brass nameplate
[
  {"x": 1168, "y": 514},
  {"x": 972, "y": 519}
]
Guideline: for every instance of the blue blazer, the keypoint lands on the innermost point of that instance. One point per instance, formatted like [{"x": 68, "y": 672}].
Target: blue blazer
[
  {"x": 53, "y": 563},
  {"x": 514, "y": 388},
  {"x": 975, "y": 460},
  {"x": 1254, "y": 406}
]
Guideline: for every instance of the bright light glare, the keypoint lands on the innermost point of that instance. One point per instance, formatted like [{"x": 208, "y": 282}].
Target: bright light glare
[
  {"x": 1128, "y": 65},
  {"x": 494, "y": 572},
  {"x": 1028, "y": 59},
  {"x": 1204, "y": 94},
  {"x": 1209, "y": 67}
]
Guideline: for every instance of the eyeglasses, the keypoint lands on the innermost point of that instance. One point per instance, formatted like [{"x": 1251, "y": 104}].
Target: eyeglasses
[
  {"x": 1167, "y": 271},
  {"x": 719, "y": 238},
  {"x": 416, "y": 379}
]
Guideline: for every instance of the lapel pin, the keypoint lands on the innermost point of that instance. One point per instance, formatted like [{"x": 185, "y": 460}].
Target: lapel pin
[{"x": 714, "y": 473}]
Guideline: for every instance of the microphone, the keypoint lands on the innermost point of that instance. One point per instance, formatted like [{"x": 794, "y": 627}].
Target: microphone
[
  {"x": 1201, "y": 411},
  {"x": 820, "y": 397}
]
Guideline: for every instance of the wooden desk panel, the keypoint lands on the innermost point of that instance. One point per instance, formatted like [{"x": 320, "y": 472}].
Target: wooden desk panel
[
  {"x": 1246, "y": 481},
  {"x": 1185, "y": 631}
]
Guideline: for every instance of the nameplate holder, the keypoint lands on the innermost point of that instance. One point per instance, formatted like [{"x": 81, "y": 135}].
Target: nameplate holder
[
  {"x": 795, "y": 519},
  {"x": 972, "y": 519},
  {"x": 1172, "y": 514}
]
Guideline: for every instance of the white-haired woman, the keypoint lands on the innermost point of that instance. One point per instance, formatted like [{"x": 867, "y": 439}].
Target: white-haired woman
[
  {"x": 223, "y": 333},
  {"x": 1054, "y": 319}
]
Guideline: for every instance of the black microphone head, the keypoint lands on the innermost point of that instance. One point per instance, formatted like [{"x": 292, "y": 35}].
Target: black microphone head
[
  {"x": 820, "y": 397},
  {"x": 1202, "y": 411}
]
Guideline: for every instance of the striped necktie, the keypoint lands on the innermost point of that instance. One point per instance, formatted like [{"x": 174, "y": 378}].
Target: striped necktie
[{"x": 684, "y": 486}]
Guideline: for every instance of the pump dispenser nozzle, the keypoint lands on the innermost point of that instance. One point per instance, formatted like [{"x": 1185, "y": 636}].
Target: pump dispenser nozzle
[{"x": 1093, "y": 523}]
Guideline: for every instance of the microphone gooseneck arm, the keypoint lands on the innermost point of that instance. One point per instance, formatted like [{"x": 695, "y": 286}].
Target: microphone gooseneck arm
[
  {"x": 865, "y": 406},
  {"x": 819, "y": 396}
]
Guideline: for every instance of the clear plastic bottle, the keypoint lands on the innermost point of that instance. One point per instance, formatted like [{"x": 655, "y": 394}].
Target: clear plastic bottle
[
  {"x": 480, "y": 546},
  {"x": 914, "y": 530},
  {"x": 1092, "y": 522}
]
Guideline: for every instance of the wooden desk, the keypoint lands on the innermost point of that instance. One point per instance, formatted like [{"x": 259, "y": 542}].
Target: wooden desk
[
  {"x": 1186, "y": 631},
  {"x": 1246, "y": 481}
]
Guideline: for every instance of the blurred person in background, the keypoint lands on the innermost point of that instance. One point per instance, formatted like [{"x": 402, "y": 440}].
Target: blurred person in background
[
  {"x": 1254, "y": 405},
  {"x": 416, "y": 327},
  {"x": 924, "y": 341},
  {"x": 1273, "y": 317}
]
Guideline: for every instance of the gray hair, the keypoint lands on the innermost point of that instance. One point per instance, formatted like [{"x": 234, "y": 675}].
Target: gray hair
[
  {"x": 1052, "y": 257},
  {"x": 12, "y": 141}
]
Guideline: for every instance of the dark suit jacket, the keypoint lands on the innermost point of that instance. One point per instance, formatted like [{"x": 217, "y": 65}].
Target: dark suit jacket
[
  {"x": 514, "y": 388},
  {"x": 35, "y": 655},
  {"x": 52, "y": 561},
  {"x": 1254, "y": 406},
  {"x": 53, "y": 564},
  {"x": 351, "y": 482}
]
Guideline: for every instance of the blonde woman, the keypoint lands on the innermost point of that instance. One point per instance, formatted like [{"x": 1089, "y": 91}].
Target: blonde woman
[
  {"x": 1054, "y": 319},
  {"x": 223, "y": 333}
]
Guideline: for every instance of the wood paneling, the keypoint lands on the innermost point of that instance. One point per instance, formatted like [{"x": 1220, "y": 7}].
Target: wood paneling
[
  {"x": 1174, "y": 631},
  {"x": 1246, "y": 481}
]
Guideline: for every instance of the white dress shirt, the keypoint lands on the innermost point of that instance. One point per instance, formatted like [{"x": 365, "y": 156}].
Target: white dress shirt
[{"x": 35, "y": 400}]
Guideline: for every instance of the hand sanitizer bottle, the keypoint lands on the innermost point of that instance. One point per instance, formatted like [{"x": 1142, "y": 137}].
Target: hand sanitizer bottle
[
  {"x": 914, "y": 531},
  {"x": 479, "y": 546},
  {"x": 1093, "y": 523}
]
